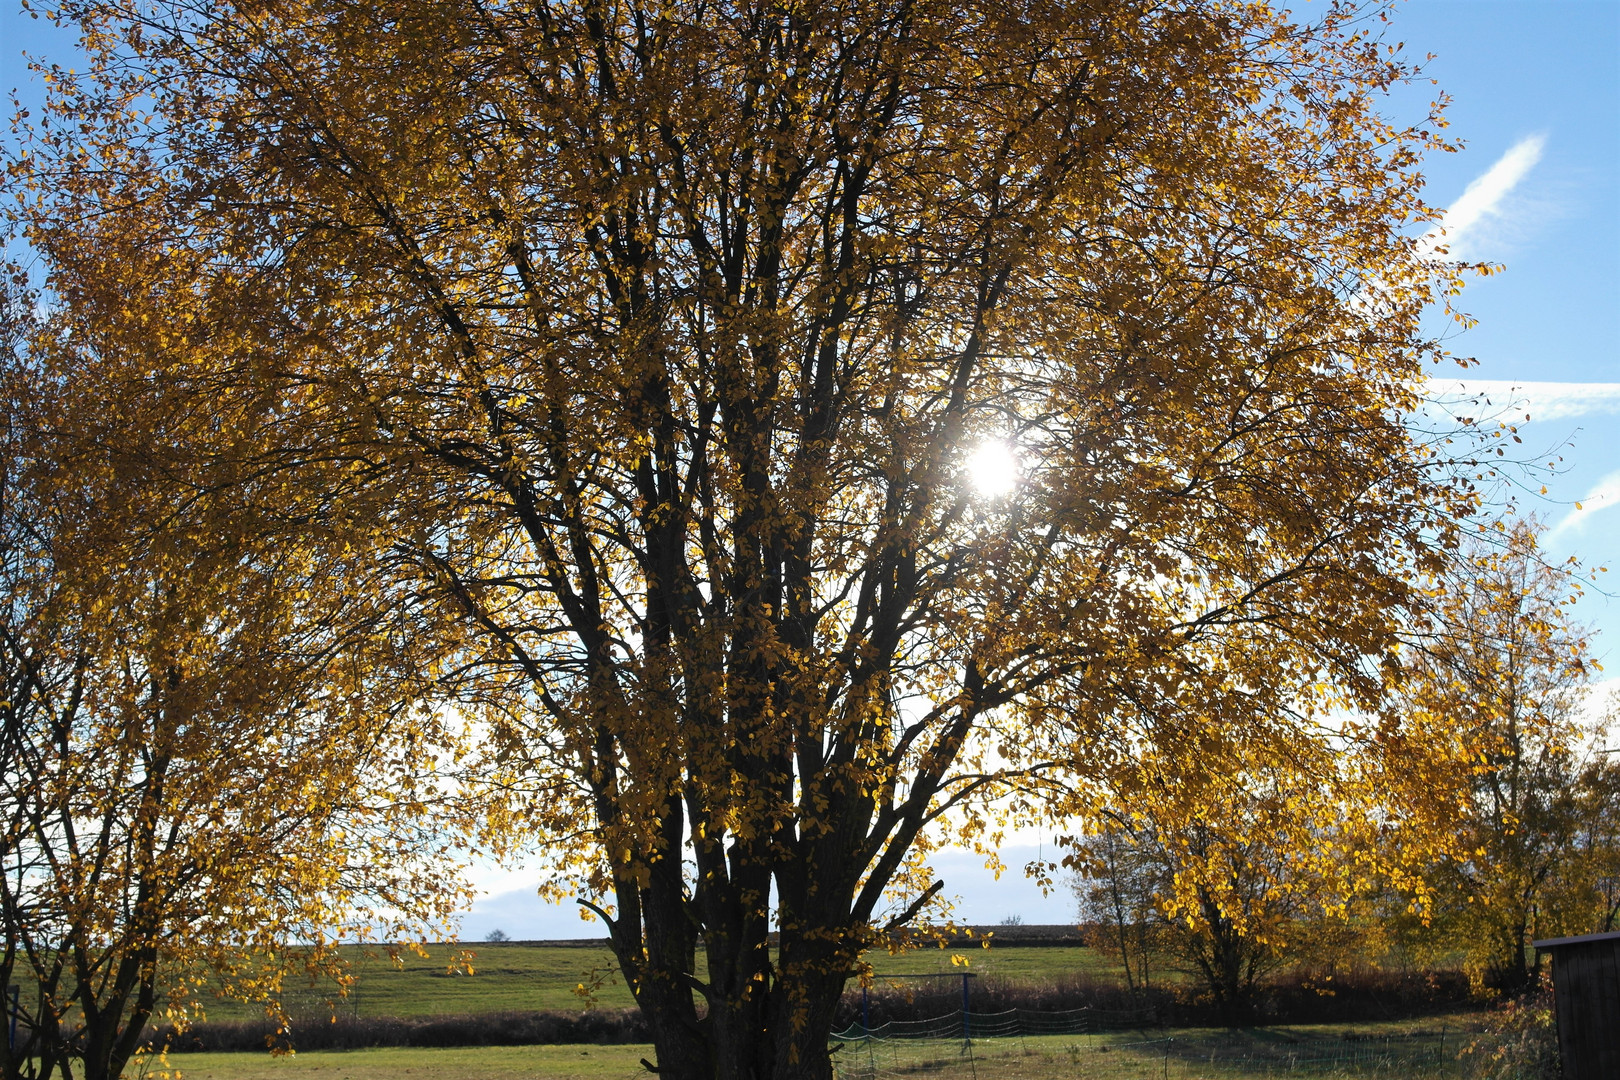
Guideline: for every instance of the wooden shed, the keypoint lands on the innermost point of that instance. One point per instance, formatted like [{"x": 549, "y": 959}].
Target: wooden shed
[{"x": 1586, "y": 996}]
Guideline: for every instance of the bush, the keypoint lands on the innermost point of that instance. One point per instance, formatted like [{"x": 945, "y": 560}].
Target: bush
[
  {"x": 1520, "y": 1041},
  {"x": 1301, "y": 997}
]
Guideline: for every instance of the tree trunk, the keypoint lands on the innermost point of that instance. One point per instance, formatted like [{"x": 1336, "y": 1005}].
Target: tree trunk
[
  {"x": 761, "y": 1013},
  {"x": 778, "y": 1032},
  {"x": 1512, "y": 972},
  {"x": 655, "y": 947},
  {"x": 111, "y": 1038}
]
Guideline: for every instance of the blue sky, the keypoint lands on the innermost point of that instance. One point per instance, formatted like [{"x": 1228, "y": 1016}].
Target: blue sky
[{"x": 1535, "y": 88}]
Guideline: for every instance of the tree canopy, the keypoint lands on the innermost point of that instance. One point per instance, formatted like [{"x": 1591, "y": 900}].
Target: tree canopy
[
  {"x": 211, "y": 747},
  {"x": 1505, "y": 678},
  {"x": 654, "y": 339}
]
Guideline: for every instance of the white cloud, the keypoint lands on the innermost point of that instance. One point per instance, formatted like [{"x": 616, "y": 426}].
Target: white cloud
[
  {"x": 1595, "y": 711},
  {"x": 1603, "y": 497},
  {"x": 522, "y": 916},
  {"x": 1542, "y": 400},
  {"x": 1483, "y": 197}
]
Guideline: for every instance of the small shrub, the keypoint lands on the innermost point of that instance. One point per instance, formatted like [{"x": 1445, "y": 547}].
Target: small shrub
[{"x": 1520, "y": 1040}]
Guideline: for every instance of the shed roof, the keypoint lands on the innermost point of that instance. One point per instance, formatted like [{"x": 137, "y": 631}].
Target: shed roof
[{"x": 1583, "y": 939}]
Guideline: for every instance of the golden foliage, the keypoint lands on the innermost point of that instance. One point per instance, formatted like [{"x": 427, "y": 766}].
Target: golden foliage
[
  {"x": 209, "y": 725},
  {"x": 1496, "y": 695},
  {"x": 654, "y": 338}
]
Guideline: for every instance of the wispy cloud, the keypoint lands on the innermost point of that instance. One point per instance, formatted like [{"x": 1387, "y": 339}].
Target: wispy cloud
[
  {"x": 1483, "y": 197},
  {"x": 1541, "y": 400},
  {"x": 1593, "y": 712},
  {"x": 1603, "y": 497}
]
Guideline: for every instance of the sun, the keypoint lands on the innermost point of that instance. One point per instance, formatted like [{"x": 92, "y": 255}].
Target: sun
[{"x": 993, "y": 468}]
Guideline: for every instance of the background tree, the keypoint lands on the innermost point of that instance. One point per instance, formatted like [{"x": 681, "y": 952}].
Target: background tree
[
  {"x": 1231, "y": 874},
  {"x": 1595, "y": 877},
  {"x": 660, "y": 336},
  {"x": 208, "y": 736},
  {"x": 1506, "y": 674},
  {"x": 1117, "y": 881}
]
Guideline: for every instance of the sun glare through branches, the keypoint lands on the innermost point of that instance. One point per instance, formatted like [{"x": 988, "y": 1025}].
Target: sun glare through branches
[{"x": 993, "y": 469}]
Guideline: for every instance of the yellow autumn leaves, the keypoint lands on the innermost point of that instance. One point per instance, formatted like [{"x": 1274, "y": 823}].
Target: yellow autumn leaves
[{"x": 617, "y": 361}]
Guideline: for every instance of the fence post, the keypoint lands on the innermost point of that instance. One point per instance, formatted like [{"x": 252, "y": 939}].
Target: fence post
[
  {"x": 966, "y": 1034},
  {"x": 866, "y": 1019}
]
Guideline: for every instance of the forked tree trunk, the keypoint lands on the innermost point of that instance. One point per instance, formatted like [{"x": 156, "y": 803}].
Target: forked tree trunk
[
  {"x": 766, "y": 1002},
  {"x": 111, "y": 1037},
  {"x": 779, "y": 1033}
]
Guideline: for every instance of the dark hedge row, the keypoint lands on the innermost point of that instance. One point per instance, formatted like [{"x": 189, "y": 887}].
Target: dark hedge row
[
  {"x": 1299, "y": 998},
  {"x": 354, "y": 1033},
  {"x": 1316, "y": 998}
]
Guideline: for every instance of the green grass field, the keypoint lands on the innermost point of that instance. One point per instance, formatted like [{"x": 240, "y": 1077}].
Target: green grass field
[
  {"x": 516, "y": 976},
  {"x": 461, "y": 1063},
  {"x": 511, "y": 975},
  {"x": 1316, "y": 1051}
]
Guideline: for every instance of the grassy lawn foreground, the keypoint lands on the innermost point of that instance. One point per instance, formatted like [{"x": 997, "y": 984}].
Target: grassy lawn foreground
[{"x": 1194, "y": 1054}]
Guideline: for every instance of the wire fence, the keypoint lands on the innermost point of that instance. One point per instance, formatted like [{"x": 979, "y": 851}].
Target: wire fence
[
  {"x": 1088, "y": 1044},
  {"x": 960, "y": 1024}
]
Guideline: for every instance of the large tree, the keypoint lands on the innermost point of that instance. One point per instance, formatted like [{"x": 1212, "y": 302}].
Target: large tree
[
  {"x": 208, "y": 731},
  {"x": 1505, "y": 674},
  {"x": 661, "y": 335}
]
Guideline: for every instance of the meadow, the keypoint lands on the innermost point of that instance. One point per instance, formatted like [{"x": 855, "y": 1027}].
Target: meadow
[
  {"x": 1329, "y": 1052},
  {"x": 512, "y": 977},
  {"x": 509, "y": 976}
]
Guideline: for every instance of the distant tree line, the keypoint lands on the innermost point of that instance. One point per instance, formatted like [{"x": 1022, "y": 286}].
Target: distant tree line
[{"x": 1250, "y": 881}]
